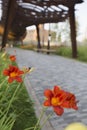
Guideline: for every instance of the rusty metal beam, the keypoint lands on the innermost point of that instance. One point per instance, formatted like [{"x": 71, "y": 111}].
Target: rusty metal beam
[
  {"x": 73, "y": 31},
  {"x": 8, "y": 21},
  {"x": 38, "y": 37},
  {"x": 26, "y": 21},
  {"x": 54, "y": 2},
  {"x": 25, "y": 16}
]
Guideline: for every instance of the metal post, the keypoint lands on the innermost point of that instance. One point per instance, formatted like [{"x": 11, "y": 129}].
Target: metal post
[
  {"x": 73, "y": 31},
  {"x": 9, "y": 17},
  {"x": 49, "y": 38},
  {"x": 38, "y": 37}
]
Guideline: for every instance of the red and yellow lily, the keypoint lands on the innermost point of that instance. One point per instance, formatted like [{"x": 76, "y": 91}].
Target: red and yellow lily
[
  {"x": 14, "y": 73},
  {"x": 59, "y": 99},
  {"x": 12, "y": 57}
]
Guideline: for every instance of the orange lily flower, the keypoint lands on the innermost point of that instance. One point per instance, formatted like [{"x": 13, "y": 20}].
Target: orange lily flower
[
  {"x": 12, "y": 58},
  {"x": 14, "y": 73},
  {"x": 59, "y": 99}
]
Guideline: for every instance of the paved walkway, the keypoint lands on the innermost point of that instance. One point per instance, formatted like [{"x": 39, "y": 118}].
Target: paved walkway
[{"x": 53, "y": 70}]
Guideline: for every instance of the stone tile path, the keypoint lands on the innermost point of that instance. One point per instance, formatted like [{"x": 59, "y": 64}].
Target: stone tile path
[{"x": 53, "y": 70}]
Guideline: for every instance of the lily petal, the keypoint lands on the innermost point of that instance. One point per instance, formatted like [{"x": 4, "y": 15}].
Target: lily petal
[
  {"x": 48, "y": 93},
  {"x": 47, "y": 103},
  {"x": 10, "y": 80},
  {"x": 58, "y": 110},
  {"x": 56, "y": 90},
  {"x": 19, "y": 79}
]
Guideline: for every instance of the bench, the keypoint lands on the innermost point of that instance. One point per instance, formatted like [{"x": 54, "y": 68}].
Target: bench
[{"x": 44, "y": 50}]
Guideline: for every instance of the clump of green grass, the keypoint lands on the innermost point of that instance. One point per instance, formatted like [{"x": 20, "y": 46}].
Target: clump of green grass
[
  {"x": 82, "y": 53},
  {"x": 22, "y": 106},
  {"x": 67, "y": 52},
  {"x": 64, "y": 51}
]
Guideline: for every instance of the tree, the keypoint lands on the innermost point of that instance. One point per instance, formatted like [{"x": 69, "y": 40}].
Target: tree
[
  {"x": 53, "y": 36},
  {"x": 57, "y": 30},
  {"x": 62, "y": 31}
]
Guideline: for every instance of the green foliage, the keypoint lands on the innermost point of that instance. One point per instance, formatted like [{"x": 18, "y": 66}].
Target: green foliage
[
  {"x": 82, "y": 53},
  {"x": 23, "y": 107},
  {"x": 53, "y": 36},
  {"x": 6, "y": 122},
  {"x": 63, "y": 51},
  {"x": 67, "y": 52},
  {"x": 16, "y": 107}
]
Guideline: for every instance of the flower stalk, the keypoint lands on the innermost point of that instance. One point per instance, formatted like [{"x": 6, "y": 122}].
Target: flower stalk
[{"x": 41, "y": 115}]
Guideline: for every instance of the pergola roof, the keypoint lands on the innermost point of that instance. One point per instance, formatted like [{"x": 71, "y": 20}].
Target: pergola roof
[
  {"x": 33, "y": 12},
  {"x": 18, "y": 14}
]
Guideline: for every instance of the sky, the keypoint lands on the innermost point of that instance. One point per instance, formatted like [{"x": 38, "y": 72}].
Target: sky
[{"x": 81, "y": 15}]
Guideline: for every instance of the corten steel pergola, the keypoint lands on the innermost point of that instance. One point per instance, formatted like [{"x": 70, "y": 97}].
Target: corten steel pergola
[{"x": 18, "y": 14}]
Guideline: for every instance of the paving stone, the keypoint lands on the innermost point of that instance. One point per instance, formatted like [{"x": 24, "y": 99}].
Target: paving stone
[{"x": 52, "y": 70}]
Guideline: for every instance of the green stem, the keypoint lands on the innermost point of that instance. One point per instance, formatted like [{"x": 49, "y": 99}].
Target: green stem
[
  {"x": 10, "y": 102},
  {"x": 13, "y": 98},
  {"x": 4, "y": 93},
  {"x": 48, "y": 117},
  {"x": 29, "y": 128},
  {"x": 41, "y": 115},
  {"x": 3, "y": 81}
]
